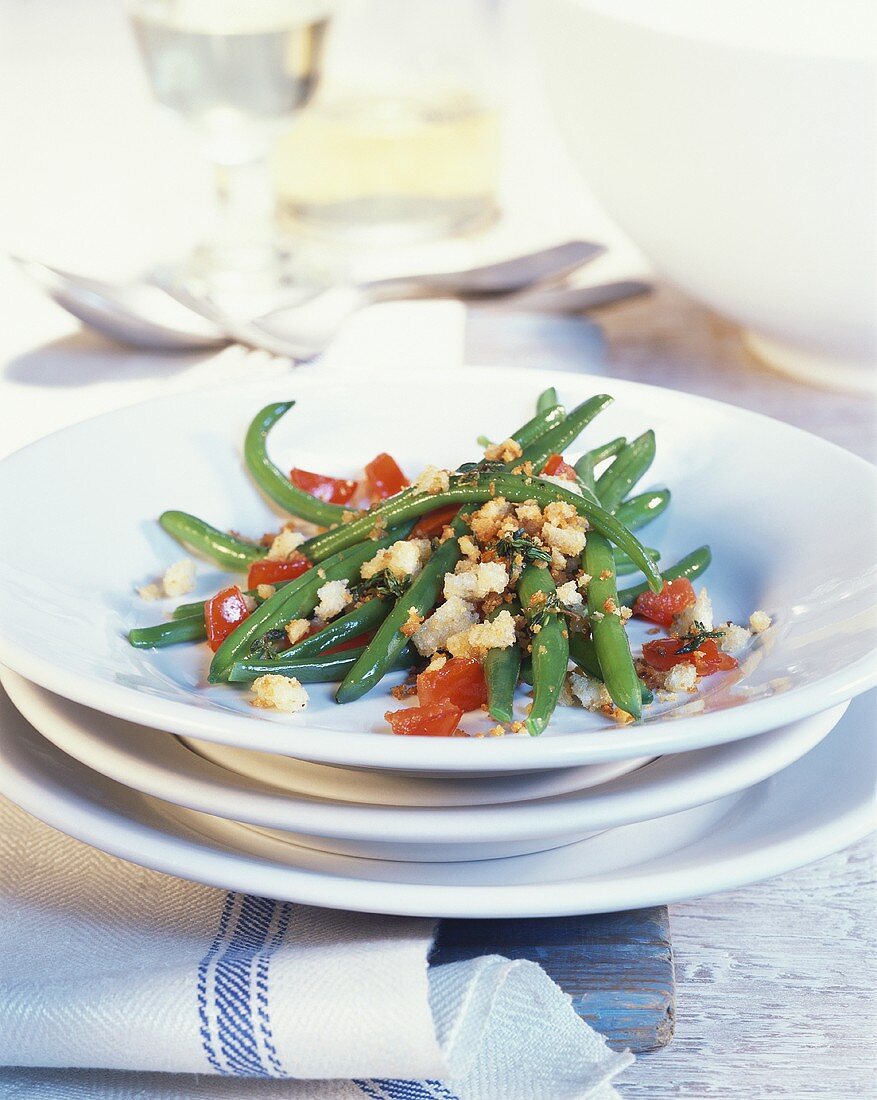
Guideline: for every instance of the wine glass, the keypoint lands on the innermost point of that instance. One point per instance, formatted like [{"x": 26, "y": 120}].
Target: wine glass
[{"x": 235, "y": 72}]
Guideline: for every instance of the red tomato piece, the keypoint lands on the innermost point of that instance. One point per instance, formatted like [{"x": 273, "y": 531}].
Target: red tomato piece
[
  {"x": 266, "y": 571},
  {"x": 384, "y": 477},
  {"x": 334, "y": 490},
  {"x": 432, "y": 524},
  {"x": 663, "y": 654},
  {"x": 662, "y": 607},
  {"x": 351, "y": 643},
  {"x": 222, "y": 614},
  {"x": 557, "y": 467},
  {"x": 459, "y": 681},
  {"x": 436, "y": 720}
]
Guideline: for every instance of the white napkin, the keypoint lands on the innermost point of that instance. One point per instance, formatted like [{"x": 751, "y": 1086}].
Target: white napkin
[{"x": 112, "y": 968}]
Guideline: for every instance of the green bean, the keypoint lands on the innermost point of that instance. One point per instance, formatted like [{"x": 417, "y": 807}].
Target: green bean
[
  {"x": 389, "y": 640},
  {"x": 584, "y": 468},
  {"x": 465, "y": 489},
  {"x": 273, "y": 482},
  {"x": 550, "y": 645},
  {"x": 546, "y": 399},
  {"x": 370, "y": 614},
  {"x": 184, "y": 610},
  {"x": 526, "y": 673},
  {"x": 558, "y": 438},
  {"x": 692, "y": 565},
  {"x": 325, "y": 669},
  {"x": 623, "y": 564},
  {"x": 583, "y": 654},
  {"x": 607, "y": 628},
  {"x": 191, "y": 629},
  {"x": 226, "y": 550},
  {"x": 295, "y": 600},
  {"x": 501, "y": 668},
  {"x": 537, "y": 425},
  {"x": 627, "y": 468},
  {"x": 637, "y": 511}
]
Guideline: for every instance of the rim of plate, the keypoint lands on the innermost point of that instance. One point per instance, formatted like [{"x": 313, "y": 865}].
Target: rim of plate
[
  {"x": 168, "y": 770},
  {"x": 351, "y": 747},
  {"x": 153, "y": 840}
]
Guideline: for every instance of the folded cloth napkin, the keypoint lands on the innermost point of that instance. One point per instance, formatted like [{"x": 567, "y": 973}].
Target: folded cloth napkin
[{"x": 118, "y": 982}]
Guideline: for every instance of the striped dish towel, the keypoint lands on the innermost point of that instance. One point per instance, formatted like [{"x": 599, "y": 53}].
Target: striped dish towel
[{"x": 118, "y": 983}]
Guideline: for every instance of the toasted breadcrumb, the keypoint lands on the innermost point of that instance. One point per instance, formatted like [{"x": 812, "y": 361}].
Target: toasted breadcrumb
[
  {"x": 485, "y": 522},
  {"x": 734, "y": 638},
  {"x": 497, "y": 731},
  {"x": 569, "y": 594},
  {"x": 468, "y": 548},
  {"x": 296, "y": 630},
  {"x": 412, "y": 624},
  {"x": 285, "y": 545},
  {"x": 265, "y": 591},
  {"x": 499, "y": 633},
  {"x": 150, "y": 592},
  {"x": 701, "y": 611},
  {"x": 507, "y": 451},
  {"x": 403, "y": 559},
  {"x": 432, "y": 481},
  {"x": 591, "y": 693},
  {"x": 681, "y": 677},
  {"x": 178, "y": 579},
  {"x": 529, "y": 516},
  {"x": 334, "y": 596},
  {"x": 759, "y": 621},
  {"x": 403, "y": 691},
  {"x": 452, "y": 617},
  {"x": 472, "y": 581},
  {"x": 283, "y": 693}
]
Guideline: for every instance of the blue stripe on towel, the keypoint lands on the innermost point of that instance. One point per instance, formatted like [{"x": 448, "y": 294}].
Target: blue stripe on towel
[
  {"x": 233, "y": 988},
  {"x": 379, "y": 1089}
]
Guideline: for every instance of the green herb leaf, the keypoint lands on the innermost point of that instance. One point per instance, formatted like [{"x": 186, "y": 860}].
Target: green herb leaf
[
  {"x": 695, "y": 638},
  {"x": 519, "y": 542},
  {"x": 381, "y": 584}
]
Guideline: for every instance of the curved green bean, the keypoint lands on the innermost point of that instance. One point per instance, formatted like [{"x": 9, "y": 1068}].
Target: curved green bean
[
  {"x": 583, "y": 654},
  {"x": 546, "y": 399},
  {"x": 326, "y": 669},
  {"x": 636, "y": 512},
  {"x": 388, "y": 642},
  {"x": 274, "y": 483},
  {"x": 363, "y": 618},
  {"x": 226, "y": 550},
  {"x": 607, "y": 628},
  {"x": 627, "y": 468},
  {"x": 584, "y": 468},
  {"x": 190, "y": 629},
  {"x": 501, "y": 668},
  {"x": 294, "y": 601},
  {"x": 464, "y": 489},
  {"x": 692, "y": 565},
  {"x": 558, "y": 438},
  {"x": 549, "y": 641}
]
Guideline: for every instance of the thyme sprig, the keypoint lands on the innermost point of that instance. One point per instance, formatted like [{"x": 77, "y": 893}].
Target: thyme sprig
[
  {"x": 385, "y": 584},
  {"x": 268, "y": 645},
  {"x": 695, "y": 638},
  {"x": 519, "y": 542}
]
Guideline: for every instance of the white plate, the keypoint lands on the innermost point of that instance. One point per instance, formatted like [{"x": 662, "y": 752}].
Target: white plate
[
  {"x": 777, "y": 506},
  {"x": 827, "y": 800},
  {"x": 159, "y": 764}
]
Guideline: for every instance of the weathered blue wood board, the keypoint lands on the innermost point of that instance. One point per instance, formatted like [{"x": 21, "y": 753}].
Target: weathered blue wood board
[{"x": 617, "y": 967}]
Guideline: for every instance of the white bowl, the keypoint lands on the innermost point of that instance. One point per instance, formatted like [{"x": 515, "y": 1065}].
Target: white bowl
[
  {"x": 160, "y": 765},
  {"x": 736, "y": 143},
  {"x": 789, "y": 517}
]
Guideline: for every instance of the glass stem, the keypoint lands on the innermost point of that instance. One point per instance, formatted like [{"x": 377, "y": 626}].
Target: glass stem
[{"x": 244, "y": 205}]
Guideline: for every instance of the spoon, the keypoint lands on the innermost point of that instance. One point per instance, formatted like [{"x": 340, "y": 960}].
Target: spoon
[{"x": 158, "y": 315}]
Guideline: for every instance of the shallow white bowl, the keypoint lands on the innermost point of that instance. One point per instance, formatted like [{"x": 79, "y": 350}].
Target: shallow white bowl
[
  {"x": 160, "y": 764},
  {"x": 789, "y": 518},
  {"x": 736, "y": 143},
  {"x": 826, "y": 800}
]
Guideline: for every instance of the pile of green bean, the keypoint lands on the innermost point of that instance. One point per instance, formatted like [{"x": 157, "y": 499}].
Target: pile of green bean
[{"x": 552, "y": 636}]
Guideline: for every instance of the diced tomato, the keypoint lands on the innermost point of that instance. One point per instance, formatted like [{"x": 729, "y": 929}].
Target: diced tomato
[
  {"x": 663, "y": 654},
  {"x": 662, "y": 607},
  {"x": 351, "y": 643},
  {"x": 222, "y": 614},
  {"x": 384, "y": 477},
  {"x": 433, "y": 523},
  {"x": 436, "y": 720},
  {"x": 459, "y": 681},
  {"x": 265, "y": 571},
  {"x": 334, "y": 490},
  {"x": 557, "y": 467}
]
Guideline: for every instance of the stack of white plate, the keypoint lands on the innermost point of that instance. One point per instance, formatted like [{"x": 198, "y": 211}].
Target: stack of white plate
[{"x": 129, "y": 750}]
